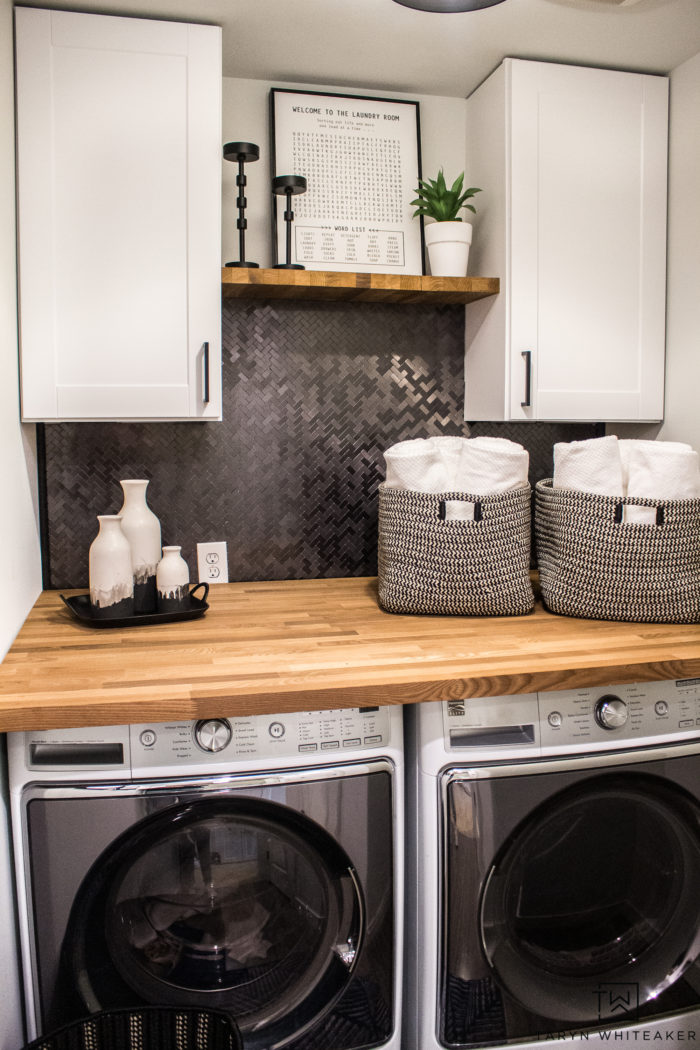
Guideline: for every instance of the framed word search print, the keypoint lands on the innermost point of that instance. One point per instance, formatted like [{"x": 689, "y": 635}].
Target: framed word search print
[{"x": 360, "y": 157}]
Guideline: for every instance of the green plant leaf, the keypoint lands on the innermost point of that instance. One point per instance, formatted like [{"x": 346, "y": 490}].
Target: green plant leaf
[{"x": 436, "y": 201}]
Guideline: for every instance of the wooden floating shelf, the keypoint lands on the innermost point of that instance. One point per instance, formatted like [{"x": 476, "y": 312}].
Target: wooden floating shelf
[{"x": 331, "y": 285}]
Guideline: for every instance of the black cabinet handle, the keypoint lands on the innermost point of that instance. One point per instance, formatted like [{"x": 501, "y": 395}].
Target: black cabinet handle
[
  {"x": 205, "y": 382},
  {"x": 527, "y": 354}
]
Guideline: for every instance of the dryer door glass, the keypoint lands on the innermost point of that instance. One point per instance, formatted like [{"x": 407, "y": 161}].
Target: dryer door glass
[
  {"x": 241, "y": 904},
  {"x": 592, "y": 903}
]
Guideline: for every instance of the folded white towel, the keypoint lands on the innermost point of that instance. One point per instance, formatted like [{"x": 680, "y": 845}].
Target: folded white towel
[
  {"x": 490, "y": 465},
  {"x": 450, "y": 452},
  {"x": 480, "y": 466},
  {"x": 417, "y": 465},
  {"x": 658, "y": 471},
  {"x": 594, "y": 465}
]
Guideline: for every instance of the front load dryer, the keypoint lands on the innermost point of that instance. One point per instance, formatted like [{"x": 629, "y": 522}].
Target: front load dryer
[
  {"x": 251, "y": 864},
  {"x": 554, "y": 868}
]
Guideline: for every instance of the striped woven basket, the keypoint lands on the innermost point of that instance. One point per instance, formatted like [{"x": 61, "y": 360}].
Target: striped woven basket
[
  {"x": 594, "y": 565},
  {"x": 429, "y": 563}
]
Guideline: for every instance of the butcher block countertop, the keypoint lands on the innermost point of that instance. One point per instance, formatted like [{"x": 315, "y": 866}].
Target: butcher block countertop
[{"x": 307, "y": 645}]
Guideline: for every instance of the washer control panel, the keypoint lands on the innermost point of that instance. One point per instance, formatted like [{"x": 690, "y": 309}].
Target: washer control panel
[
  {"x": 212, "y": 741},
  {"x": 647, "y": 710},
  {"x": 569, "y": 720}
]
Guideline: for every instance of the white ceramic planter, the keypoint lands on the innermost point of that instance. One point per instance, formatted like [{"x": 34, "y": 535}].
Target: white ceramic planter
[{"x": 448, "y": 248}]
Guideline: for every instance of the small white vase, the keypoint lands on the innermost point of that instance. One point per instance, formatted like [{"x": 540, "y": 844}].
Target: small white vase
[
  {"x": 142, "y": 529},
  {"x": 173, "y": 581},
  {"x": 448, "y": 248},
  {"x": 111, "y": 576}
]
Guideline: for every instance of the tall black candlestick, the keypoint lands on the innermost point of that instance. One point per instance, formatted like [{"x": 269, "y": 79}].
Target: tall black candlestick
[
  {"x": 289, "y": 186},
  {"x": 243, "y": 152}
]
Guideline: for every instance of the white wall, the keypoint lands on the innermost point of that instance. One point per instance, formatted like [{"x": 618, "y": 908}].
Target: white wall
[
  {"x": 20, "y": 564},
  {"x": 246, "y": 119},
  {"x": 682, "y": 413}
]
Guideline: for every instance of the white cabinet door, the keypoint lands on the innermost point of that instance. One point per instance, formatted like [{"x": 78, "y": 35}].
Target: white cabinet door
[
  {"x": 119, "y": 199},
  {"x": 572, "y": 162}
]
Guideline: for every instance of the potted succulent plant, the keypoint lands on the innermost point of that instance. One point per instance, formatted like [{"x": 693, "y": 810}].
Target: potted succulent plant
[{"x": 448, "y": 237}]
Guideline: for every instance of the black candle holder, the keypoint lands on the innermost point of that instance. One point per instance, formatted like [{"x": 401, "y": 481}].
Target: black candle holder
[
  {"x": 243, "y": 152},
  {"x": 288, "y": 186}
]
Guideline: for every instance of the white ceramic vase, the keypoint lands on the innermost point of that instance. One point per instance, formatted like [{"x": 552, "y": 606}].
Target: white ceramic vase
[
  {"x": 111, "y": 575},
  {"x": 448, "y": 248},
  {"x": 142, "y": 529},
  {"x": 173, "y": 581}
]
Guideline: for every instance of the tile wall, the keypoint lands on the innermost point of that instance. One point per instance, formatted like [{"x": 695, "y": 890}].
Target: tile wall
[{"x": 313, "y": 393}]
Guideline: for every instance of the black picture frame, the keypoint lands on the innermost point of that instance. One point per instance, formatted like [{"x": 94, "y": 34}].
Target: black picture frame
[{"x": 335, "y": 141}]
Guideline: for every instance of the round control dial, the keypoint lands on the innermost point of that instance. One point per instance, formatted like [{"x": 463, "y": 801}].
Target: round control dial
[
  {"x": 611, "y": 712},
  {"x": 212, "y": 734}
]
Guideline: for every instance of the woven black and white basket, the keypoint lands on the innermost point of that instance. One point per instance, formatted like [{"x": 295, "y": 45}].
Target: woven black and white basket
[
  {"x": 597, "y": 566},
  {"x": 430, "y": 562}
]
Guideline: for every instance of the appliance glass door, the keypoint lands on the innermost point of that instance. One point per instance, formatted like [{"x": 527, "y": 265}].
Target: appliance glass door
[
  {"x": 581, "y": 907},
  {"x": 235, "y": 898}
]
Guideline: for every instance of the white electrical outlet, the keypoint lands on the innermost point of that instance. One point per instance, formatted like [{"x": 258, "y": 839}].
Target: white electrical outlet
[{"x": 212, "y": 562}]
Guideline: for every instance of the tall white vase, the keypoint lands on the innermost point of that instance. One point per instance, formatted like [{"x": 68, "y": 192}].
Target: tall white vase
[
  {"x": 142, "y": 529},
  {"x": 173, "y": 581},
  {"x": 111, "y": 575}
]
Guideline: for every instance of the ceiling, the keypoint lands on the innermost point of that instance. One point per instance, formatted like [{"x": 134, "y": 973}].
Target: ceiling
[{"x": 382, "y": 45}]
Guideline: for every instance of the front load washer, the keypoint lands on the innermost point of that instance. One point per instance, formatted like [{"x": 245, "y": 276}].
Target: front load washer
[
  {"x": 554, "y": 868},
  {"x": 252, "y": 864}
]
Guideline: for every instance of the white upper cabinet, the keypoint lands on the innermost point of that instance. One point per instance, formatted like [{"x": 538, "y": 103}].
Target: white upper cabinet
[
  {"x": 572, "y": 218},
  {"x": 119, "y": 199}
]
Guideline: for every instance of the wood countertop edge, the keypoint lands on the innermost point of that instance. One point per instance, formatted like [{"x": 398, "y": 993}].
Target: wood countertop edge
[
  {"x": 334, "y": 648},
  {"x": 95, "y": 709}
]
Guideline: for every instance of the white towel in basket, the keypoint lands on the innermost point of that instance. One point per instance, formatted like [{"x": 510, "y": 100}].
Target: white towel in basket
[
  {"x": 481, "y": 466},
  {"x": 417, "y": 465},
  {"x": 489, "y": 465},
  {"x": 661, "y": 469},
  {"x": 594, "y": 465}
]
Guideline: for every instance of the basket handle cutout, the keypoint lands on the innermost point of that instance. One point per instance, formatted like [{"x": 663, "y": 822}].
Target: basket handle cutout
[
  {"x": 620, "y": 513},
  {"x": 459, "y": 510}
]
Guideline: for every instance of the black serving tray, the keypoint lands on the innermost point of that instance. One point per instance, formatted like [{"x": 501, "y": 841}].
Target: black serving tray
[{"x": 79, "y": 605}]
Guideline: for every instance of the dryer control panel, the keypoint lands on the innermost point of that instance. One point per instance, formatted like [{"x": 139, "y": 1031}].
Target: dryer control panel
[
  {"x": 299, "y": 735},
  {"x": 210, "y": 744},
  {"x": 652, "y": 711},
  {"x": 571, "y": 720}
]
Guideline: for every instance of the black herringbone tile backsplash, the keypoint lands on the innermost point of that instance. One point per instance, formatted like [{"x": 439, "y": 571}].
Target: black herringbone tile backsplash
[{"x": 313, "y": 394}]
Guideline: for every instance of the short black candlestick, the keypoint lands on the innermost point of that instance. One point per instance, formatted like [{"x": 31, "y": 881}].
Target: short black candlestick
[
  {"x": 243, "y": 152},
  {"x": 289, "y": 186}
]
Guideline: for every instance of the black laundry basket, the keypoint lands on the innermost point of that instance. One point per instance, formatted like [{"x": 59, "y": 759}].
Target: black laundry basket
[
  {"x": 431, "y": 563},
  {"x": 146, "y": 1028},
  {"x": 595, "y": 565}
]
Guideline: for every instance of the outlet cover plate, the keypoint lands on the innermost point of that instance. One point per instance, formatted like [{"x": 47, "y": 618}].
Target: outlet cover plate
[{"x": 212, "y": 562}]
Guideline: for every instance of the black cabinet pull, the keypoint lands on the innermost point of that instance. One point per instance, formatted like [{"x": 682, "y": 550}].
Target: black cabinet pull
[
  {"x": 205, "y": 383},
  {"x": 527, "y": 354}
]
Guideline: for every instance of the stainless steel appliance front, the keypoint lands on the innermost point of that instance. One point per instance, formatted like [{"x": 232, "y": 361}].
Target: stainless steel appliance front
[{"x": 270, "y": 896}]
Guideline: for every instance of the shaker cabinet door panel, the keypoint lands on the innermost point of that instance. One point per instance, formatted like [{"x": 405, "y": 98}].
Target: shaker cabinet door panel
[
  {"x": 584, "y": 251},
  {"x": 119, "y": 260}
]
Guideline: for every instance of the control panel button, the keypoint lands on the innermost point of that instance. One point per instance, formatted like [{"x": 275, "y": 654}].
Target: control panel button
[
  {"x": 611, "y": 712},
  {"x": 212, "y": 734},
  {"x": 352, "y": 742},
  {"x": 686, "y": 723},
  {"x": 661, "y": 708},
  {"x": 148, "y": 738},
  {"x": 276, "y": 730},
  {"x": 308, "y": 747},
  {"x": 555, "y": 719}
]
